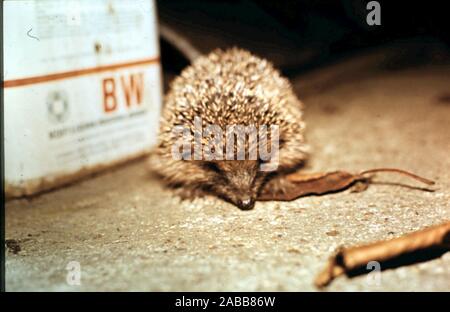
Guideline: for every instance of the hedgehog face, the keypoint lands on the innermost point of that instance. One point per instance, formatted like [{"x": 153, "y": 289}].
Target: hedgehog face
[{"x": 237, "y": 181}]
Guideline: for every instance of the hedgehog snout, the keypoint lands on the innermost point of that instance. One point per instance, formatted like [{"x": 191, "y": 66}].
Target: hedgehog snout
[
  {"x": 246, "y": 204},
  {"x": 243, "y": 197}
]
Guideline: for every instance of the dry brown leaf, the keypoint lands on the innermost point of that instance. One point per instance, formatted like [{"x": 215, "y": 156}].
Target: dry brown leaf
[{"x": 301, "y": 184}]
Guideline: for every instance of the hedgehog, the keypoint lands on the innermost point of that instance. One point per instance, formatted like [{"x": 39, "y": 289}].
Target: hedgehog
[{"x": 227, "y": 88}]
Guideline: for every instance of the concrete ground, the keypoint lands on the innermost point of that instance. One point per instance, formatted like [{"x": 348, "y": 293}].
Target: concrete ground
[{"x": 128, "y": 233}]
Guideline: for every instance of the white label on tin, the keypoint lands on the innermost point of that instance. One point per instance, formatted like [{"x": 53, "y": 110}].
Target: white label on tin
[{"x": 82, "y": 85}]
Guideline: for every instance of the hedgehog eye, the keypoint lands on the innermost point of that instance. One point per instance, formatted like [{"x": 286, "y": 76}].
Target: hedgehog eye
[{"x": 212, "y": 166}]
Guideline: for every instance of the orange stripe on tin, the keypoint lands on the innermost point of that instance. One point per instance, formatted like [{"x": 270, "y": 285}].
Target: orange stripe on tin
[{"x": 75, "y": 73}]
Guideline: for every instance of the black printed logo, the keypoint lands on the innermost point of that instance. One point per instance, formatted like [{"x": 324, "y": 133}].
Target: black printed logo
[{"x": 57, "y": 106}]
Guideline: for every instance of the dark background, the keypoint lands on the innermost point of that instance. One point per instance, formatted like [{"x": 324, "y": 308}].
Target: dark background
[{"x": 300, "y": 35}]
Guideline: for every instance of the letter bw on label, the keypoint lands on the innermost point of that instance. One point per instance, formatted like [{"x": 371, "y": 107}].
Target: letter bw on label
[
  {"x": 374, "y": 16},
  {"x": 131, "y": 86}
]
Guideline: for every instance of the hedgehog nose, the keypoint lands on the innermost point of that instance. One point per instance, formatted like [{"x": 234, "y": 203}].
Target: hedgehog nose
[{"x": 246, "y": 204}]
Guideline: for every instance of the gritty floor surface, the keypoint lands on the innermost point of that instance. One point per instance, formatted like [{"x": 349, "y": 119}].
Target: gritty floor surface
[{"x": 129, "y": 233}]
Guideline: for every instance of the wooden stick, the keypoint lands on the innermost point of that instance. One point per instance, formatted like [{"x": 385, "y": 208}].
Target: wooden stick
[{"x": 347, "y": 260}]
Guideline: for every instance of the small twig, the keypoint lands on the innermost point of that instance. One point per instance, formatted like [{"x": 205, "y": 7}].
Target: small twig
[
  {"x": 179, "y": 41},
  {"x": 409, "y": 174}
]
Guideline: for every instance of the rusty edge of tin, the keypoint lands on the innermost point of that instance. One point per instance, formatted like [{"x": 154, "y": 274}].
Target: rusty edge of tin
[{"x": 37, "y": 186}]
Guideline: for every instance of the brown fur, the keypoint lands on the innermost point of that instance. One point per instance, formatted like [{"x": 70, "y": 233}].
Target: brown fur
[{"x": 225, "y": 88}]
